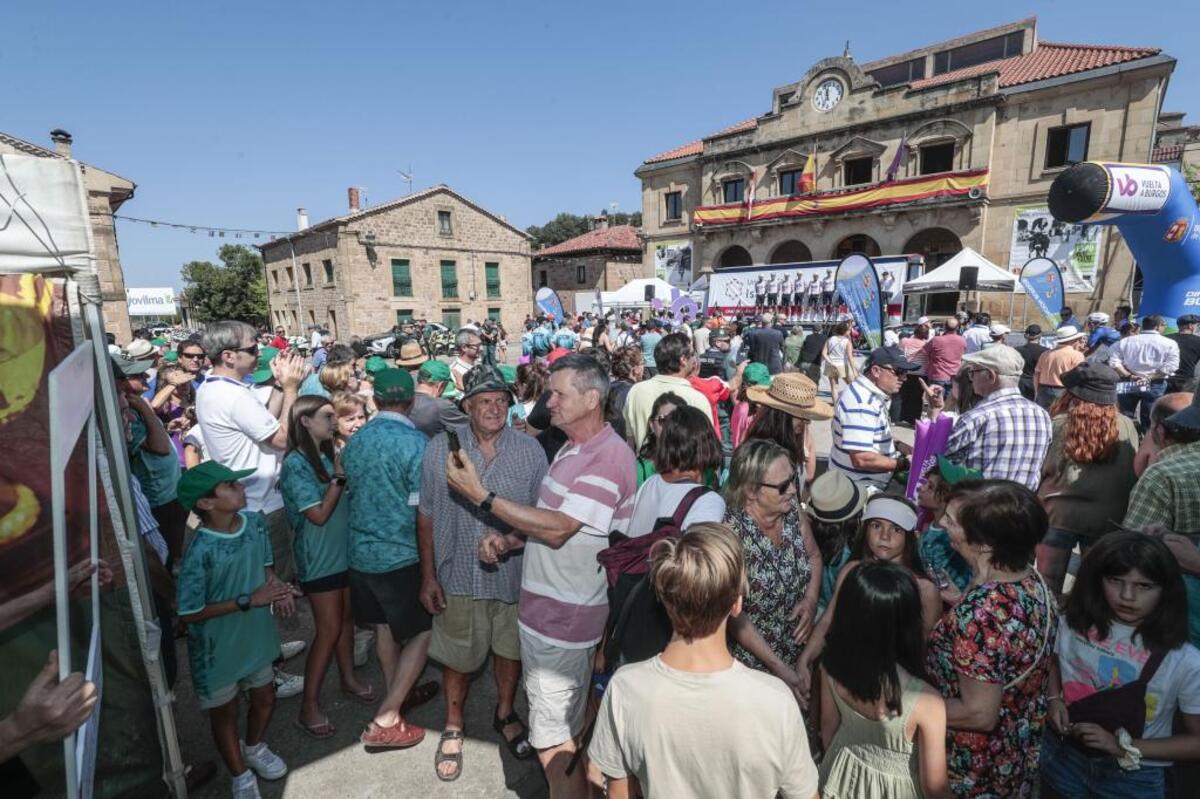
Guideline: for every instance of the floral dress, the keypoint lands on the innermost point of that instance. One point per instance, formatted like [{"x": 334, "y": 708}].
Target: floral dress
[
  {"x": 778, "y": 577},
  {"x": 994, "y": 635}
]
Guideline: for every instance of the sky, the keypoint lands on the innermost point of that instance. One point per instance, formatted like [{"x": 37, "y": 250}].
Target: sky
[{"x": 234, "y": 114}]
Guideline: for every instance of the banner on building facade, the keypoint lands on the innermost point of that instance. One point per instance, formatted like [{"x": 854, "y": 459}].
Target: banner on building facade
[
  {"x": 733, "y": 289},
  {"x": 150, "y": 302},
  {"x": 673, "y": 262},
  {"x": 959, "y": 184},
  {"x": 1043, "y": 281},
  {"x": 858, "y": 285},
  {"x": 1075, "y": 248}
]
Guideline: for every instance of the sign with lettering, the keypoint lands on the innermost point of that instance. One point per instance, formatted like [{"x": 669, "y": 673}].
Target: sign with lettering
[{"x": 151, "y": 302}]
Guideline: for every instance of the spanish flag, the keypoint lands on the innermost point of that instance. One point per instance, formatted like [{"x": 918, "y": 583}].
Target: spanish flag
[{"x": 808, "y": 178}]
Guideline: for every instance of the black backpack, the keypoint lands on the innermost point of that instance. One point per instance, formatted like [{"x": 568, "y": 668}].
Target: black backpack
[{"x": 638, "y": 627}]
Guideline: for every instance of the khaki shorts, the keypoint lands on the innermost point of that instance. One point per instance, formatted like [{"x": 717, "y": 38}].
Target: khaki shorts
[
  {"x": 226, "y": 694},
  {"x": 837, "y": 370},
  {"x": 468, "y": 629},
  {"x": 281, "y": 535},
  {"x": 556, "y": 682}
]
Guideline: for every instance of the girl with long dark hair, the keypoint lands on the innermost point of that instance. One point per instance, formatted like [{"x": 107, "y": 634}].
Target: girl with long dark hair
[{"x": 882, "y": 725}]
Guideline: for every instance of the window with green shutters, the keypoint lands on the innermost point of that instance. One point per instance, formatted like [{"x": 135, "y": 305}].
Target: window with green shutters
[
  {"x": 492, "y": 273},
  {"x": 401, "y": 278},
  {"x": 494, "y": 315},
  {"x": 449, "y": 280},
  {"x": 404, "y": 316},
  {"x": 452, "y": 318}
]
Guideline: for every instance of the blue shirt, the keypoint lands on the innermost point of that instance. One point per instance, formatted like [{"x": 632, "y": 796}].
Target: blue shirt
[
  {"x": 321, "y": 549},
  {"x": 312, "y": 386},
  {"x": 383, "y": 470},
  {"x": 318, "y": 358},
  {"x": 649, "y": 342}
]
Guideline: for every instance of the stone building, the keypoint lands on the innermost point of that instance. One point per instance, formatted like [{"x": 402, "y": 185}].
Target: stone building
[
  {"x": 431, "y": 255},
  {"x": 603, "y": 259},
  {"x": 1178, "y": 145},
  {"x": 106, "y": 192},
  {"x": 949, "y": 145}
]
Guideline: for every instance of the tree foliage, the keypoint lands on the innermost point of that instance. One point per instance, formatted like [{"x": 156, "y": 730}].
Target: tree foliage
[
  {"x": 568, "y": 226},
  {"x": 234, "y": 289}
]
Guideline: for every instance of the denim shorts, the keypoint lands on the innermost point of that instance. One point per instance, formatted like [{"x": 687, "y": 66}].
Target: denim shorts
[{"x": 1069, "y": 773}]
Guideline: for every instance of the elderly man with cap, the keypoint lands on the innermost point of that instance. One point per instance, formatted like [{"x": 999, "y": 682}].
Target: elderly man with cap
[
  {"x": 1188, "y": 341},
  {"x": 474, "y": 605},
  {"x": 863, "y": 447},
  {"x": 1005, "y": 436},
  {"x": 1068, "y": 349},
  {"x": 1144, "y": 361},
  {"x": 382, "y": 462},
  {"x": 431, "y": 411}
]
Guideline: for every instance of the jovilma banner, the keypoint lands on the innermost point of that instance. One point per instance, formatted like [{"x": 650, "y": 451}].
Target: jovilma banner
[{"x": 858, "y": 284}]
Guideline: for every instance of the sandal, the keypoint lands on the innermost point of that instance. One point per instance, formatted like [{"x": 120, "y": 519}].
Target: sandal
[
  {"x": 367, "y": 697},
  {"x": 419, "y": 695},
  {"x": 519, "y": 746},
  {"x": 441, "y": 756},
  {"x": 319, "y": 731}
]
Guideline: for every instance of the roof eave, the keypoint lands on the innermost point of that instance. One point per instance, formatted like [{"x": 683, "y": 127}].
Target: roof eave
[
  {"x": 653, "y": 166},
  {"x": 1149, "y": 62}
]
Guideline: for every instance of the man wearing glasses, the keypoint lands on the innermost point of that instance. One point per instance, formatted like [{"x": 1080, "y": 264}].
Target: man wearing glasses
[
  {"x": 190, "y": 356},
  {"x": 469, "y": 345},
  {"x": 1005, "y": 436},
  {"x": 863, "y": 447}
]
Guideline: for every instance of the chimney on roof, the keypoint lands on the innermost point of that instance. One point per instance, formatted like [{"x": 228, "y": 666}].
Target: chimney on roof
[
  {"x": 301, "y": 219},
  {"x": 62, "y": 142},
  {"x": 600, "y": 222},
  {"x": 353, "y": 194}
]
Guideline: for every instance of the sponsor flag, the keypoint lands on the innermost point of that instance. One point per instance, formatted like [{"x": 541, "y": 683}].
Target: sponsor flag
[
  {"x": 898, "y": 159},
  {"x": 858, "y": 283},
  {"x": 548, "y": 302},
  {"x": 808, "y": 178},
  {"x": 1043, "y": 281}
]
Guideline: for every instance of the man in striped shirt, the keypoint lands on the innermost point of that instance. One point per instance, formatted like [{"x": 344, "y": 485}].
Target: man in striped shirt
[
  {"x": 564, "y": 602},
  {"x": 862, "y": 430}
]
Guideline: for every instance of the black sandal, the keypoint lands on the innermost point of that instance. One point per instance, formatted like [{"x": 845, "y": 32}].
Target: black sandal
[
  {"x": 519, "y": 747},
  {"x": 456, "y": 758}
]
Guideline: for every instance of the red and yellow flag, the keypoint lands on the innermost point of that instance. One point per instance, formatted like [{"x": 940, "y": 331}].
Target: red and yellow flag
[{"x": 808, "y": 178}]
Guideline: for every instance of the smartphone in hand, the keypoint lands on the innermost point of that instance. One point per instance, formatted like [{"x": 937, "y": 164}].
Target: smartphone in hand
[{"x": 455, "y": 446}]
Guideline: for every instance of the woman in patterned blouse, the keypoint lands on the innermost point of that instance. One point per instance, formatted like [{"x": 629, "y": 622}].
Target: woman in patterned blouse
[{"x": 783, "y": 562}]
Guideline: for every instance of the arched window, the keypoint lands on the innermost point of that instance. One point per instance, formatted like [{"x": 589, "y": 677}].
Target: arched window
[
  {"x": 859, "y": 242},
  {"x": 790, "y": 252},
  {"x": 734, "y": 256}
]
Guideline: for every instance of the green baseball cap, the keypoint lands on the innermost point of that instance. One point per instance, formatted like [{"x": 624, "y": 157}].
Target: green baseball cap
[
  {"x": 433, "y": 372},
  {"x": 159, "y": 342},
  {"x": 375, "y": 364},
  {"x": 263, "y": 373},
  {"x": 171, "y": 356},
  {"x": 953, "y": 473},
  {"x": 509, "y": 372},
  {"x": 394, "y": 385},
  {"x": 756, "y": 374},
  {"x": 199, "y": 481}
]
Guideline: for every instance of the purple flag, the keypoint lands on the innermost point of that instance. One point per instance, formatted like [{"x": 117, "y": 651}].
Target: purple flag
[
  {"x": 929, "y": 441},
  {"x": 897, "y": 159}
]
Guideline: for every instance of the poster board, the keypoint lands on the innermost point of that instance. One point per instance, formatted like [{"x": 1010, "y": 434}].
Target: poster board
[{"x": 1075, "y": 248}]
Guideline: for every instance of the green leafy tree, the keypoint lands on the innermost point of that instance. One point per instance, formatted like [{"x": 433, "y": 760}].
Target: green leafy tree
[
  {"x": 568, "y": 226},
  {"x": 1192, "y": 175},
  {"x": 234, "y": 289}
]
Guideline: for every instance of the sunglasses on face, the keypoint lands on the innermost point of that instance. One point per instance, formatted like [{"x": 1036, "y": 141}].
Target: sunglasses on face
[
  {"x": 251, "y": 350},
  {"x": 782, "y": 487},
  {"x": 191, "y": 355}
]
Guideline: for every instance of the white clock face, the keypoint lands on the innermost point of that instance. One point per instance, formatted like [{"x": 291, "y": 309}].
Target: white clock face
[{"x": 828, "y": 94}]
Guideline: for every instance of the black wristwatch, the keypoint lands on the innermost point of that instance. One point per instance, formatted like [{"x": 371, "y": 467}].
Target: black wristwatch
[
  {"x": 243, "y": 602},
  {"x": 339, "y": 480},
  {"x": 902, "y": 462},
  {"x": 486, "y": 505}
]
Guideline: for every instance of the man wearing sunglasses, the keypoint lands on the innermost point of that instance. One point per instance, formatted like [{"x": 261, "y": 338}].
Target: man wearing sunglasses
[
  {"x": 863, "y": 447},
  {"x": 190, "y": 357}
]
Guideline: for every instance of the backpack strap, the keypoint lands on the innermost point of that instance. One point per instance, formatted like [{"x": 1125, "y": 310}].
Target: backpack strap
[
  {"x": 685, "y": 505},
  {"x": 1148, "y": 670}
]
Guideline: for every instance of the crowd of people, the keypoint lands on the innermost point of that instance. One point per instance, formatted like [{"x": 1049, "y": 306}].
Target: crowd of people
[{"x": 632, "y": 526}]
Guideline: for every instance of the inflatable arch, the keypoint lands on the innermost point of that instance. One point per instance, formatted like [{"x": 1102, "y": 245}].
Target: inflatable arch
[{"x": 1156, "y": 213}]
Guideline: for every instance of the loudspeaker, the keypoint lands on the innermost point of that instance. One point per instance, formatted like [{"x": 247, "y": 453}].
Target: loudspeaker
[
  {"x": 649, "y": 293},
  {"x": 968, "y": 278}
]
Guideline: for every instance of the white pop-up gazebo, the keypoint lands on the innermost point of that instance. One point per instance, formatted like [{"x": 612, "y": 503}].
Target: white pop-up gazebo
[{"x": 946, "y": 277}]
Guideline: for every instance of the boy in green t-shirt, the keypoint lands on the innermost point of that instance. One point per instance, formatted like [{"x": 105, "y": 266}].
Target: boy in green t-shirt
[{"x": 226, "y": 593}]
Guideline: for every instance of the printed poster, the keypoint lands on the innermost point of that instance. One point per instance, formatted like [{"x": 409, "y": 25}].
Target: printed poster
[
  {"x": 1075, "y": 248},
  {"x": 673, "y": 263}
]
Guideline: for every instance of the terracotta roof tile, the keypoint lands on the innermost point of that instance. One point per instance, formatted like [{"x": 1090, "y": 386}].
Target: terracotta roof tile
[
  {"x": 620, "y": 237},
  {"x": 1167, "y": 153},
  {"x": 1048, "y": 60},
  {"x": 697, "y": 147}
]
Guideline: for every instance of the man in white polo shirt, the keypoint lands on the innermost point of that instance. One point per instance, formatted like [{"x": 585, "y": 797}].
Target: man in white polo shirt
[{"x": 564, "y": 602}]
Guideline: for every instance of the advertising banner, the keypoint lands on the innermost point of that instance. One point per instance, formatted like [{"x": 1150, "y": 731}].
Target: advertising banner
[
  {"x": 733, "y": 290},
  {"x": 548, "y": 302},
  {"x": 673, "y": 263},
  {"x": 1043, "y": 281},
  {"x": 858, "y": 284},
  {"x": 1075, "y": 248},
  {"x": 150, "y": 302}
]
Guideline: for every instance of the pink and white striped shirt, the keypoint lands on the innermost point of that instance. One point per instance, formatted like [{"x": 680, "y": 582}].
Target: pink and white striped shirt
[{"x": 564, "y": 598}]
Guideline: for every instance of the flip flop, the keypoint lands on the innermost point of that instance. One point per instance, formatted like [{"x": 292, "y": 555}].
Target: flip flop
[
  {"x": 319, "y": 731},
  {"x": 367, "y": 697},
  {"x": 440, "y": 756}
]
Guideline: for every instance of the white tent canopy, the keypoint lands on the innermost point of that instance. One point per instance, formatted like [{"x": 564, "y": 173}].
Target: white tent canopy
[
  {"x": 43, "y": 216},
  {"x": 631, "y": 295},
  {"x": 946, "y": 276}
]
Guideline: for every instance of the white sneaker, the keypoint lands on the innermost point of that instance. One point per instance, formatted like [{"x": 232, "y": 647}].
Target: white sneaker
[
  {"x": 263, "y": 761},
  {"x": 289, "y": 649},
  {"x": 362, "y": 646},
  {"x": 245, "y": 786},
  {"x": 288, "y": 685}
]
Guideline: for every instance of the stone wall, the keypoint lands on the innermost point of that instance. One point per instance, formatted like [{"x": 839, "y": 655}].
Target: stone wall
[{"x": 600, "y": 271}]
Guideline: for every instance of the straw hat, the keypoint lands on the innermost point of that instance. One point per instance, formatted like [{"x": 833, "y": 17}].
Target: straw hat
[
  {"x": 411, "y": 354},
  {"x": 1067, "y": 334},
  {"x": 834, "y": 497},
  {"x": 792, "y": 393}
]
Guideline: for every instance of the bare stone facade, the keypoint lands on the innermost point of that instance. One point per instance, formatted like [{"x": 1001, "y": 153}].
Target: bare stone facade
[
  {"x": 604, "y": 259},
  {"x": 433, "y": 255},
  {"x": 105, "y": 194},
  {"x": 995, "y": 119}
]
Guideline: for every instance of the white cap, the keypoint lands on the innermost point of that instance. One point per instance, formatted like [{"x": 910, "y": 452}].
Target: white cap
[
  {"x": 924, "y": 320},
  {"x": 1099, "y": 317},
  {"x": 999, "y": 329},
  {"x": 890, "y": 339}
]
